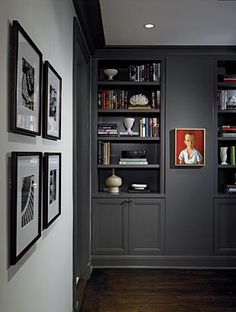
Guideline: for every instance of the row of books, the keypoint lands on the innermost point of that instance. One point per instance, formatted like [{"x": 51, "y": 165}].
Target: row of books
[
  {"x": 119, "y": 99},
  {"x": 104, "y": 153},
  {"x": 133, "y": 161},
  {"x": 226, "y": 99},
  {"x": 148, "y": 128},
  {"x": 146, "y": 72},
  {"x": 227, "y": 131}
]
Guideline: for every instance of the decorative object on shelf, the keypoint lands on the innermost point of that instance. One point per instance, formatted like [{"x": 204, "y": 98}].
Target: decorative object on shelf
[
  {"x": 129, "y": 123},
  {"x": 134, "y": 153},
  {"x": 52, "y": 188},
  {"x": 190, "y": 146},
  {"x": 52, "y": 103},
  {"x": 25, "y": 228},
  {"x": 113, "y": 182},
  {"x": 230, "y": 189},
  {"x": 138, "y": 99},
  {"x": 223, "y": 155},
  {"x": 110, "y": 72},
  {"x": 26, "y": 72}
]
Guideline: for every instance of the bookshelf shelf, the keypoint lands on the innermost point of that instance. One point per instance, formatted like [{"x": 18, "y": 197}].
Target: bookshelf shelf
[
  {"x": 117, "y": 166},
  {"x": 227, "y": 166},
  {"x": 226, "y": 85},
  {"x": 127, "y": 83},
  {"x": 227, "y": 139},
  {"x": 128, "y": 139},
  {"x": 128, "y": 111},
  {"x": 232, "y": 111}
]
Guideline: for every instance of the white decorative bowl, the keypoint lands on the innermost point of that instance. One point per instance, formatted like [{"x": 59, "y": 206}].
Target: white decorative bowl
[{"x": 110, "y": 72}]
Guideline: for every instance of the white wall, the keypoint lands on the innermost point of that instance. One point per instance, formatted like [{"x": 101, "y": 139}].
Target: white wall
[{"x": 42, "y": 279}]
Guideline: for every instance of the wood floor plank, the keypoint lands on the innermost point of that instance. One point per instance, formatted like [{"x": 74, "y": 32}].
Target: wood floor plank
[{"x": 139, "y": 290}]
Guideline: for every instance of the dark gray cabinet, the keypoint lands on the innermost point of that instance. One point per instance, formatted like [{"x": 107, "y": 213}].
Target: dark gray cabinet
[
  {"x": 128, "y": 226},
  {"x": 224, "y": 226},
  {"x": 110, "y": 226},
  {"x": 146, "y": 226}
]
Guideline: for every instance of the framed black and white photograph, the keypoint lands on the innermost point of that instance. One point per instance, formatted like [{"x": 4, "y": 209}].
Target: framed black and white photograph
[
  {"x": 52, "y": 188},
  {"x": 25, "y": 214},
  {"x": 26, "y": 83},
  {"x": 52, "y": 103}
]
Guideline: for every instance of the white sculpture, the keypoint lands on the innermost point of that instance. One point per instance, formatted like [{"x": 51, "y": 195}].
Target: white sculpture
[
  {"x": 223, "y": 155},
  {"x": 128, "y": 123}
]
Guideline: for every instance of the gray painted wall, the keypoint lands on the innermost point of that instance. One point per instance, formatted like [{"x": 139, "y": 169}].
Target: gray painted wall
[{"x": 189, "y": 203}]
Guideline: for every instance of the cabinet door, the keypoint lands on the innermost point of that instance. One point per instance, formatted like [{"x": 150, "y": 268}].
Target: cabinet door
[
  {"x": 224, "y": 227},
  {"x": 109, "y": 226},
  {"x": 146, "y": 226}
]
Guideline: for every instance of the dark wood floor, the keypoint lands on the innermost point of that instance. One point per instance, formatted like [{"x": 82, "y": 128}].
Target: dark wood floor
[{"x": 139, "y": 290}]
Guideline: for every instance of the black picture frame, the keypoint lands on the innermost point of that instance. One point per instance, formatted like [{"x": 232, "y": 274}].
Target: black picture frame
[
  {"x": 52, "y": 188},
  {"x": 52, "y": 103},
  {"x": 26, "y": 83},
  {"x": 25, "y": 213}
]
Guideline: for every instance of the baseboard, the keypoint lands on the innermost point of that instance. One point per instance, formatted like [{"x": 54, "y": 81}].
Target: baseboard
[
  {"x": 80, "y": 288},
  {"x": 194, "y": 262}
]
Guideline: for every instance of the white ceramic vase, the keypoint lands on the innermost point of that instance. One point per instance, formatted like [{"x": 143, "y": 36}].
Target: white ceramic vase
[
  {"x": 129, "y": 123},
  {"x": 223, "y": 155},
  {"x": 113, "y": 182}
]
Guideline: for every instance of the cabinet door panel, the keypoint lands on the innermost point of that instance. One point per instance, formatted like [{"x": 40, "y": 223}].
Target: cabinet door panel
[
  {"x": 224, "y": 227},
  {"x": 109, "y": 226},
  {"x": 146, "y": 227}
]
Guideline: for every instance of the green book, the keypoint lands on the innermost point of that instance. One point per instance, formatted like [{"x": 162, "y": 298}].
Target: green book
[{"x": 232, "y": 155}]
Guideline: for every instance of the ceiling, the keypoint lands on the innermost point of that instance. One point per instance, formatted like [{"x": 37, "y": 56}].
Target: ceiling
[{"x": 178, "y": 22}]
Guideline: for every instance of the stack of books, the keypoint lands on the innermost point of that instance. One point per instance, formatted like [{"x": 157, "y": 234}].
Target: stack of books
[
  {"x": 107, "y": 129},
  {"x": 230, "y": 188},
  {"x": 138, "y": 188},
  {"x": 133, "y": 161},
  {"x": 230, "y": 78},
  {"x": 227, "y": 131}
]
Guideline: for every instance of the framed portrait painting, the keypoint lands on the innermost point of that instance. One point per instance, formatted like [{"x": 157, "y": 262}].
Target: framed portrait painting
[
  {"x": 52, "y": 103},
  {"x": 190, "y": 146},
  {"x": 25, "y": 202},
  {"x": 52, "y": 188},
  {"x": 26, "y": 82}
]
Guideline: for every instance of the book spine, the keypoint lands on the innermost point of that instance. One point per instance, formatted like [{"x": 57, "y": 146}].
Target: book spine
[
  {"x": 232, "y": 155},
  {"x": 143, "y": 127},
  {"x": 99, "y": 152},
  {"x": 146, "y": 127},
  {"x": 158, "y": 99}
]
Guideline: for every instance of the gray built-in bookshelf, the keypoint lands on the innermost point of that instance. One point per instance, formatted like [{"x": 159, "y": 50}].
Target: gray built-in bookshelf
[
  {"x": 226, "y": 126},
  {"x": 135, "y": 93}
]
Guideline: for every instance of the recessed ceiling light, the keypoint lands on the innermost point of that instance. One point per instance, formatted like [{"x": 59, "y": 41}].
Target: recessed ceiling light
[{"x": 149, "y": 25}]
